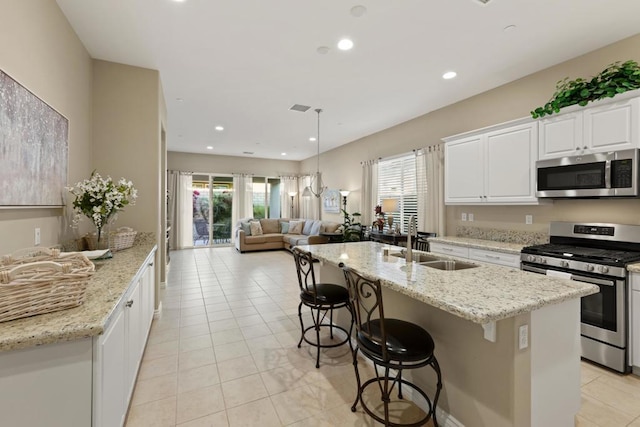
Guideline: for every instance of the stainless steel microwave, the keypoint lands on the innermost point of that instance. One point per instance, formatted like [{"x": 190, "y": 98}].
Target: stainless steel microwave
[{"x": 610, "y": 174}]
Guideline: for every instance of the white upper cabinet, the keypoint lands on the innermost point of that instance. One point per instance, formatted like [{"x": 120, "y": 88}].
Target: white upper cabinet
[
  {"x": 495, "y": 165},
  {"x": 605, "y": 125}
]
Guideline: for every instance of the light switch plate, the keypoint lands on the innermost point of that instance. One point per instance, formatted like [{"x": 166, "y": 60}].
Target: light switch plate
[
  {"x": 37, "y": 236},
  {"x": 528, "y": 219},
  {"x": 471, "y": 217},
  {"x": 464, "y": 216}
]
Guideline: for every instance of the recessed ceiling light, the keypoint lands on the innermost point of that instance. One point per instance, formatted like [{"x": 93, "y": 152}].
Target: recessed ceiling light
[
  {"x": 509, "y": 28},
  {"x": 323, "y": 50},
  {"x": 358, "y": 11},
  {"x": 345, "y": 44},
  {"x": 449, "y": 75},
  {"x": 179, "y": 1},
  {"x": 283, "y": 154},
  {"x": 209, "y": 147},
  {"x": 219, "y": 128},
  {"x": 312, "y": 139}
]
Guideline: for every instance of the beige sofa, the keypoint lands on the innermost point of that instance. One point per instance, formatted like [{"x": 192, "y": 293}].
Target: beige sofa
[{"x": 272, "y": 236}]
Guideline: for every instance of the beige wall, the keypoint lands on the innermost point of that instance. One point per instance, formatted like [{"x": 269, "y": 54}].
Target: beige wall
[
  {"x": 129, "y": 117},
  {"x": 39, "y": 49},
  {"x": 126, "y": 136}
]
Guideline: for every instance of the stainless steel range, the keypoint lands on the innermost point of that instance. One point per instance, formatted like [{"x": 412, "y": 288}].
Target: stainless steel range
[{"x": 597, "y": 254}]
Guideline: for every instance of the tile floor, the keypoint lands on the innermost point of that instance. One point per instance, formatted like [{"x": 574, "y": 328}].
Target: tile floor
[{"x": 223, "y": 353}]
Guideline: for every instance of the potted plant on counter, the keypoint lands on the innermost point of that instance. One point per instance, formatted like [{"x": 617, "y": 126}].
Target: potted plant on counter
[{"x": 100, "y": 199}]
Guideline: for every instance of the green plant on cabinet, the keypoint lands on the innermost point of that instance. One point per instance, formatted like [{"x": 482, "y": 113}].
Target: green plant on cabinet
[{"x": 618, "y": 77}]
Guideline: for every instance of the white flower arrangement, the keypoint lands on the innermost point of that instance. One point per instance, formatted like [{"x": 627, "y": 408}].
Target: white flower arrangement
[{"x": 100, "y": 199}]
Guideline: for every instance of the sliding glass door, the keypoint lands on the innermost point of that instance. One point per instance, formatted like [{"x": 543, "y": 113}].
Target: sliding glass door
[{"x": 212, "y": 199}]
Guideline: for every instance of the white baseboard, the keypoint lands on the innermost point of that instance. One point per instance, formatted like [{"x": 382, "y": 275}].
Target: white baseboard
[{"x": 157, "y": 311}]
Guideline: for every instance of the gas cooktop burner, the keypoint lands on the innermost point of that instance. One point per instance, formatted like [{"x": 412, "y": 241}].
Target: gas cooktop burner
[{"x": 586, "y": 254}]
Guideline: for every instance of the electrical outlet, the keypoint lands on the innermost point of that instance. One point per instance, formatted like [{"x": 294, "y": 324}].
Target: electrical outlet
[
  {"x": 37, "y": 236},
  {"x": 464, "y": 216},
  {"x": 471, "y": 217},
  {"x": 523, "y": 337},
  {"x": 528, "y": 219}
]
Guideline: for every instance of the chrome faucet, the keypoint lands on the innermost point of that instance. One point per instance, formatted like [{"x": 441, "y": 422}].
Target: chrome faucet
[{"x": 411, "y": 230}]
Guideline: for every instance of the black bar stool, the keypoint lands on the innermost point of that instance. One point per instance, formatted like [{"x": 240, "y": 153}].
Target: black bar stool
[
  {"x": 322, "y": 299},
  {"x": 389, "y": 344}
]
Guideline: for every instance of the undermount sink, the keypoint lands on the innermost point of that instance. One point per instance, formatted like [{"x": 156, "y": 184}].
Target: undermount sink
[
  {"x": 432, "y": 261},
  {"x": 448, "y": 265},
  {"x": 418, "y": 256}
]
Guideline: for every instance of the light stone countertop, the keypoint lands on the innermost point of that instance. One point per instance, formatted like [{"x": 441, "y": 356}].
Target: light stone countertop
[
  {"x": 634, "y": 268},
  {"x": 482, "y": 294},
  {"x": 104, "y": 292},
  {"x": 508, "y": 248}
]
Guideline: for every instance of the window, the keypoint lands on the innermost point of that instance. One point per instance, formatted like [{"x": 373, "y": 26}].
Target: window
[{"x": 397, "y": 180}]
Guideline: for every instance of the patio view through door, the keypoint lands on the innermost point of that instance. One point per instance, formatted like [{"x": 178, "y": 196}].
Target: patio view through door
[{"x": 212, "y": 199}]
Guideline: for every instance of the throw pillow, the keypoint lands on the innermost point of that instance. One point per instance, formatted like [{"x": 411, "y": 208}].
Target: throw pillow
[
  {"x": 315, "y": 228},
  {"x": 295, "y": 227},
  {"x": 284, "y": 227},
  {"x": 246, "y": 227},
  {"x": 256, "y": 228}
]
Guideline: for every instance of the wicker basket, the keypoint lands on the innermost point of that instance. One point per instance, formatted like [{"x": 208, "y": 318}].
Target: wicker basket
[
  {"x": 122, "y": 239},
  {"x": 37, "y": 254},
  {"x": 29, "y": 289}
]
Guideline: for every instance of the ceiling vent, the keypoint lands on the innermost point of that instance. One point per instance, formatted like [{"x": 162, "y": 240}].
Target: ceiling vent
[
  {"x": 483, "y": 1},
  {"x": 298, "y": 107},
  {"x": 247, "y": 152}
]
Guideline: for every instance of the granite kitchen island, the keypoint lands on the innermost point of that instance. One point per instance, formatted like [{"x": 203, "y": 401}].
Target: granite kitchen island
[{"x": 477, "y": 316}]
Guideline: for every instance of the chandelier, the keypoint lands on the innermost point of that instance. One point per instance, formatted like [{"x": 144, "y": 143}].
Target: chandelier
[{"x": 317, "y": 180}]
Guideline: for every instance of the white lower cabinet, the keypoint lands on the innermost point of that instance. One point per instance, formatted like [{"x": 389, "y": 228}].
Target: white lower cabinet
[
  {"x": 118, "y": 351},
  {"x": 634, "y": 323},
  {"x": 110, "y": 378},
  {"x": 484, "y": 255}
]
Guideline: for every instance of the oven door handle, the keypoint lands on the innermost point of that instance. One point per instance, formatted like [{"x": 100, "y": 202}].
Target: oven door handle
[{"x": 592, "y": 280}]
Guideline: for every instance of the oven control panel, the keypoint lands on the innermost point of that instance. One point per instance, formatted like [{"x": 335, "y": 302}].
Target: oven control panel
[{"x": 595, "y": 230}]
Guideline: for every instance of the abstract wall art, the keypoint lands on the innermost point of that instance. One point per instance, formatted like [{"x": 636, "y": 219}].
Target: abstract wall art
[{"x": 33, "y": 149}]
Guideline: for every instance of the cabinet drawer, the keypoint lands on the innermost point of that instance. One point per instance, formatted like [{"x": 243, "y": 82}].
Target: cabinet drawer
[
  {"x": 452, "y": 250},
  {"x": 500, "y": 258}
]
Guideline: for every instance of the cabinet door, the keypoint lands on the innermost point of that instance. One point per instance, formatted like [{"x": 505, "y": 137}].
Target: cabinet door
[
  {"x": 612, "y": 126},
  {"x": 109, "y": 401},
  {"x": 148, "y": 299},
  {"x": 510, "y": 164},
  {"x": 464, "y": 171},
  {"x": 134, "y": 343},
  {"x": 561, "y": 135}
]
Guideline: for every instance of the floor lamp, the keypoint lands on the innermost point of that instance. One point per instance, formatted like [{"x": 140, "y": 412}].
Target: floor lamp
[
  {"x": 292, "y": 194},
  {"x": 344, "y": 194}
]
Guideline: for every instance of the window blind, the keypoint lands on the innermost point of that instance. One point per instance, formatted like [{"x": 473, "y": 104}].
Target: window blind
[{"x": 397, "y": 180}]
